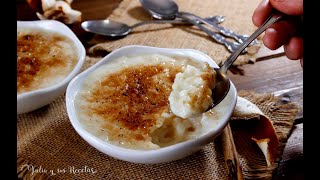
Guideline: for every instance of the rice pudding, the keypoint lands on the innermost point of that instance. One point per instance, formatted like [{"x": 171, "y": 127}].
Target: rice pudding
[
  {"x": 44, "y": 58},
  {"x": 125, "y": 102},
  {"x": 192, "y": 91}
]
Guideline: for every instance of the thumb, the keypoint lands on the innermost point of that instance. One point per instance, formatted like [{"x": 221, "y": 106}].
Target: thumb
[{"x": 290, "y": 7}]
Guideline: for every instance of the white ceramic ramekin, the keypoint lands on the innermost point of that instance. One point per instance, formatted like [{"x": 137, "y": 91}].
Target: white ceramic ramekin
[
  {"x": 32, "y": 100},
  {"x": 165, "y": 154}
]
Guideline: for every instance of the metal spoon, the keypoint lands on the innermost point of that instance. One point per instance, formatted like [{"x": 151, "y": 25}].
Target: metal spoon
[
  {"x": 222, "y": 81},
  {"x": 167, "y": 9},
  {"x": 114, "y": 28}
]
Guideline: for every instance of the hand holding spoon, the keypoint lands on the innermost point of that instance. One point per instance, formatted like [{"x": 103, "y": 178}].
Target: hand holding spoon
[
  {"x": 220, "y": 91},
  {"x": 222, "y": 81}
]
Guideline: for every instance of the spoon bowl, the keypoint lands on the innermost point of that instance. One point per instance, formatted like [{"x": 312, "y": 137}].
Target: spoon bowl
[
  {"x": 161, "y": 9},
  {"x": 106, "y": 27}
]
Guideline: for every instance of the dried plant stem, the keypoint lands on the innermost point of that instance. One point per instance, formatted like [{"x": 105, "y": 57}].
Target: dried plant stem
[{"x": 230, "y": 154}]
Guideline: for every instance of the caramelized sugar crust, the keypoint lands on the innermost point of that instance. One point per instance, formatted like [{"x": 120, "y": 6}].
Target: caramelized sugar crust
[
  {"x": 37, "y": 54},
  {"x": 133, "y": 98}
]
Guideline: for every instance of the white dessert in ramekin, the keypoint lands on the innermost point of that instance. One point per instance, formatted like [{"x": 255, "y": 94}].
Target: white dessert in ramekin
[
  {"x": 191, "y": 93},
  {"x": 49, "y": 55},
  {"x": 126, "y": 102},
  {"x": 44, "y": 58},
  {"x": 121, "y": 106}
]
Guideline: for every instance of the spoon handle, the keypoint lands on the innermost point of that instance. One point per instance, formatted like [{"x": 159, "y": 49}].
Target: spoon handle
[
  {"x": 211, "y": 19},
  {"x": 231, "y": 46},
  {"x": 272, "y": 19},
  {"x": 222, "y": 30}
]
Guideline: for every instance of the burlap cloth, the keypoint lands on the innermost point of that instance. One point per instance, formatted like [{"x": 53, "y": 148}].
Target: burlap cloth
[
  {"x": 49, "y": 147},
  {"x": 237, "y": 14}
]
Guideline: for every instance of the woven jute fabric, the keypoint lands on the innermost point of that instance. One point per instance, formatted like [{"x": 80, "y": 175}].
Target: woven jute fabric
[
  {"x": 49, "y": 147},
  {"x": 237, "y": 15}
]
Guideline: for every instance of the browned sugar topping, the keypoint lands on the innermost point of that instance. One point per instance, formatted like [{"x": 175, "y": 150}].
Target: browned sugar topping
[
  {"x": 133, "y": 98},
  {"x": 33, "y": 60},
  {"x": 209, "y": 78}
]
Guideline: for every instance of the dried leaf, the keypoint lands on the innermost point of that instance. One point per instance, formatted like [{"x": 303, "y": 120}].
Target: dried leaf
[{"x": 262, "y": 131}]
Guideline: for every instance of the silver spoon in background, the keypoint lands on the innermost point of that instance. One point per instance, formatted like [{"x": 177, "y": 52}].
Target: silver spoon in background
[
  {"x": 222, "y": 81},
  {"x": 114, "y": 28},
  {"x": 168, "y": 9}
]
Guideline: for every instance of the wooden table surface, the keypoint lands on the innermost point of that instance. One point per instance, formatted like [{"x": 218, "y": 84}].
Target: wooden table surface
[{"x": 272, "y": 73}]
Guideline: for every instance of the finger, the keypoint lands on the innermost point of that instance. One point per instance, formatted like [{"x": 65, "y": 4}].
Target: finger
[
  {"x": 261, "y": 13},
  {"x": 279, "y": 34},
  {"x": 290, "y": 7},
  {"x": 294, "y": 48}
]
